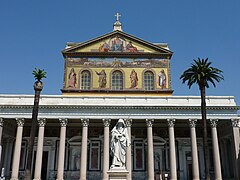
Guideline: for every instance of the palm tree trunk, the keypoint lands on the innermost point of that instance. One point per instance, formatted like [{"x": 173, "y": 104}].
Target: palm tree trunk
[
  {"x": 204, "y": 125},
  {"x": 32, "y": 133}
]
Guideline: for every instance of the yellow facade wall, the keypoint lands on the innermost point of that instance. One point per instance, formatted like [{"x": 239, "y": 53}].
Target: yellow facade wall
[{"x": 126, "y": 76}]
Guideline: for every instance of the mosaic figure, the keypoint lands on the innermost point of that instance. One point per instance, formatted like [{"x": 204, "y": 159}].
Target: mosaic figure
[
  {"x": 130, "y": 47},
  {"x": 162, "y": 79},
  {"x": 102, "y": 78},
  {"x": 72, "y": 79},
  {"x": 133, "y": 79}
]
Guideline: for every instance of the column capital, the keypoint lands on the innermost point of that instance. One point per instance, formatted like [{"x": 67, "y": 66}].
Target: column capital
[
  {"x": 42, "y": 122},
  {"x": 149, "y": 122},
  {"x": 235, "y": 122},
  {"x": 1, "y": 122},
  {"x": 171, "y": 122},
  {"x": 106, "y": 122},
  {"x": 128, "y": 122},
  {"x": 20, "y": 122},
  {"x": 85, "y": 122},
  {"x": 63, "y": 122},
  {"x": 213, "y": 123},
  {"x": 192, "y": 123}
]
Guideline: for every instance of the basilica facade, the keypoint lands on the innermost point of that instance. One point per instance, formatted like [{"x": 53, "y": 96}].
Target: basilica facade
[{"x": 119, "y": 76}]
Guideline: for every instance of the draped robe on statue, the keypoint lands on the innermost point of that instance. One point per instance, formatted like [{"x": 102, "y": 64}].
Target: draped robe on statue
[{"x": 119, "y": 143}]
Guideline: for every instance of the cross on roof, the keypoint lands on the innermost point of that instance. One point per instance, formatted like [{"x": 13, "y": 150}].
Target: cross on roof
[{"x": 118, "y": 15}]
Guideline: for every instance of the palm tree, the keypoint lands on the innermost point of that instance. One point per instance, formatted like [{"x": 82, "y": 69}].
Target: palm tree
[
  {"x": 201, "y": 73},
  {"x": 38, "y": 86}
]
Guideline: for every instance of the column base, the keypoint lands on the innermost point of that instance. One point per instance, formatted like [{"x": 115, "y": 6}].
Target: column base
[
  {"x": 118, "y": 173},
  {"x": 14, "y": 179}
]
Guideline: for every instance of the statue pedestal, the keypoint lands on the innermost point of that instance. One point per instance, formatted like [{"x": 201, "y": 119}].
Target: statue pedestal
[{"x": 118, "y": 173}]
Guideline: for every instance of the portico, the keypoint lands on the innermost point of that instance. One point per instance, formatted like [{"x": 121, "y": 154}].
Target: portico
[{"x": 150, "y": 156}]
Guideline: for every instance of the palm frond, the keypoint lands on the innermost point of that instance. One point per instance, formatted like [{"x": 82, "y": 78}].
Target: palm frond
[
  {"x": 202, "y": 73},
  {"x": 39, "y": 74}
]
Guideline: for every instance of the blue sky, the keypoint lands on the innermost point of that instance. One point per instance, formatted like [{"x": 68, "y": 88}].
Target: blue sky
[{"x": 33, "y": 33}]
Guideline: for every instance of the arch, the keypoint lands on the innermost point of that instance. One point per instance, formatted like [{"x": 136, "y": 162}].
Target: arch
[
  {"x": 117, "y": 80},
  {"x": 148, "y": 80},
  {"x": 85, "y": 79}
]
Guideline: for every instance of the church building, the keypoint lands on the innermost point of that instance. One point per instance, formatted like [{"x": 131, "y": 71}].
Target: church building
[{"x": 111, "y": 77}]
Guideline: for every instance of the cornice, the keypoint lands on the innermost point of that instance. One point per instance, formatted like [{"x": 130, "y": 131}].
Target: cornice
[
  {"x": 119, "y": 107},
  {"x": 130, "y": 91},
  {"x": 115, "y": 33},
  {"x": 118, "y": 54}
]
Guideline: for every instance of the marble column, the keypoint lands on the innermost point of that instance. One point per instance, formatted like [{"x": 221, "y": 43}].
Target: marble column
[
  {"x": 17, "y": 149},
  {"x": 150, "y": 159},
  {"x": 195, "y": 164},
  {"x": 216, "y": 155},
  {"x": 172, "y": 149},
  {"x": 61, "y": 152},
  {"x": 83, "y": 168},
  {"x": 106, "y": 123},
  {"x": 129, "y": 150},
  {"x": 236, "y": 147},
  {"x": 38, "y": 163},
  {"x": 1, "y": 130},
  {"x": 8, "y": 156}
]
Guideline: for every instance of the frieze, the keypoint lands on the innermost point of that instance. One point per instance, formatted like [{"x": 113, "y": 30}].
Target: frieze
[
  {"x": 122, "y": 107},
  {"x": 117, "y": 62}
]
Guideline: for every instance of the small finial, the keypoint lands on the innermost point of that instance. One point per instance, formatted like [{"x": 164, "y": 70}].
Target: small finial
[
  {"x": 118, "y": 15},
  {"x": 117, "y": 25}
]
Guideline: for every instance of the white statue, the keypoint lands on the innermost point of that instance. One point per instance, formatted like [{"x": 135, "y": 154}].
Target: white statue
[{"x": 119, "y": 143}]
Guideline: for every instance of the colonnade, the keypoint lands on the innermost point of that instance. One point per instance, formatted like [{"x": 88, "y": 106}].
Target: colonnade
[{"x": 106, "y": 125}]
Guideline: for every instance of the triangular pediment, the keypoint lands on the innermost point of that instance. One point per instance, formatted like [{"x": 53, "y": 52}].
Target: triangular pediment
[{"x": 117, "y": 42}]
